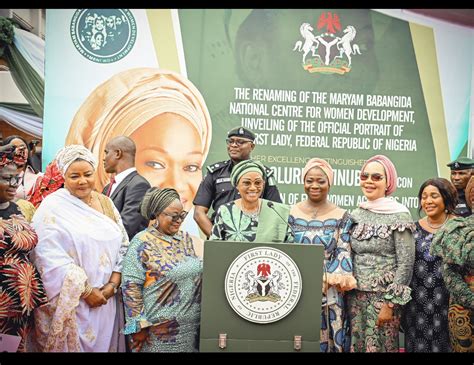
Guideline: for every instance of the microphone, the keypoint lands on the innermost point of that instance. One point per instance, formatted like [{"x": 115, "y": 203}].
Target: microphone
[{"x": 272, "y": 206}]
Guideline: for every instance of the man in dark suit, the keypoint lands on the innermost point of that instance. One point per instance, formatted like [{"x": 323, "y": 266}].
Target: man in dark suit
[{"x": 127, "y": 187}]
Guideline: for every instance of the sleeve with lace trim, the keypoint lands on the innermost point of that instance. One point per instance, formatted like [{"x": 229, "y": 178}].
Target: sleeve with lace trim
[{"x": 398, "y": 291}]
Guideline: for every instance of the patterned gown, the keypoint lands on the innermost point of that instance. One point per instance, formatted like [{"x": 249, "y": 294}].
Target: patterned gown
[
  {"x": 161, "y": 283},
  {"x": 383, "y": 253},
  {"x": 425, "y": 317},
  {"x": 454, "y": 243},
  {"x": 21, "y": 288},
  {"x": 233, "y": 224},
  {"x": 334, "y": 235}
]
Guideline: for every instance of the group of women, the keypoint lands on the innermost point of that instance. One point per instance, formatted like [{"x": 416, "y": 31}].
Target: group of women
[
  {"x": 384, "y": 273},
  {"x": 90, "y": 289}
]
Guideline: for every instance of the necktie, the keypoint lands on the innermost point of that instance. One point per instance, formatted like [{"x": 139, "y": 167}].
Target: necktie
[{"x": 112, "y": 182}]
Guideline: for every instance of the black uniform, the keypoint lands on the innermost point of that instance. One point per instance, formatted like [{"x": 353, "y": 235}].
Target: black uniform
[
  {"x": 216, "y": 188},
  {"x": 462, "y": 163},
  {"x": 462, "y": 209}
]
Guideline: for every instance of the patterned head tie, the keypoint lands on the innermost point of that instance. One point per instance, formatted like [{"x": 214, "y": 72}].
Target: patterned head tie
[
  {"x": 69, "y": 154},
  {"x": 246, "y": 166},
  {"x": 156, "y": 200}
]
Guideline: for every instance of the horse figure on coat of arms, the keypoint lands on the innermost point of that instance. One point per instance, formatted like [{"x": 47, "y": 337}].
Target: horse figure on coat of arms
[
  {"x": 344, "y": 45},
  {"x": 309, "y": 38}
]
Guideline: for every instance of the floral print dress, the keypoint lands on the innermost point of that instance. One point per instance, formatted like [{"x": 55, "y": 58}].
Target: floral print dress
[
  {"x": 383, "y": 252},
  {"x": 21, "y": 288},
  {"x": 161, "y": 284}
]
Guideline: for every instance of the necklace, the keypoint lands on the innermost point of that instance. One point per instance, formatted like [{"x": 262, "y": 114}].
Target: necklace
[
  {"x": 315, "y": 211},
  {"x": 437, "y": 227},
  {"x": 89, "y": 203},
  {"x": 252, "y": 214}
]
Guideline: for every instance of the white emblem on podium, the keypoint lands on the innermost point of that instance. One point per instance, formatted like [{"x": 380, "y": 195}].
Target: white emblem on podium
[{"x": 263, "y": 285}]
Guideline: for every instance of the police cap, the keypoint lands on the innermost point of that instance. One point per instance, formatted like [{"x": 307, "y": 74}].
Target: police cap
[
  {"x": 462, "y": 163},
  {"x": 241, "y": 132}
]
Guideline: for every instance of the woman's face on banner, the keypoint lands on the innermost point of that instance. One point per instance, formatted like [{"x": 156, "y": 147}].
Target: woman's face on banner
[{"x": 169, "y": 155}]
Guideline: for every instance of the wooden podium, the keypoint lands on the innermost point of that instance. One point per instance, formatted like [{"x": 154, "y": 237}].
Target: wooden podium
[{"x": 261, "y": 297}]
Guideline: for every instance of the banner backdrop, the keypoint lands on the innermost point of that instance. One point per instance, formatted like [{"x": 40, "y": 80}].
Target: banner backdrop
[{"x": 340, "y": 84}]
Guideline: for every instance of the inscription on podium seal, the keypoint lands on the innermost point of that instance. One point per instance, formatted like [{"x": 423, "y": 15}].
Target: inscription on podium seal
[{"x": 263, "y": 285}]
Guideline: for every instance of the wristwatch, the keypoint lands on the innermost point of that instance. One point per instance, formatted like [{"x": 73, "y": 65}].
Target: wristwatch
[{"x": 113, "y": 286}]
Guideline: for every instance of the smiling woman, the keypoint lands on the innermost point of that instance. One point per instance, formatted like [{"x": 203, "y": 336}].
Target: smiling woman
[
  {"x": 317, "y": 221},
  {"x": 250, "y": 218},
  {"x": 383, "y": 256},
  {"x": 165, "y": 160},
  {"x": 81, "y": 243},
  {"x": 21, "y": 288},
  {"x": 162, "y": 279},
  {"x": 425, "y": 317},
  {"x": 163, "y": 113}
]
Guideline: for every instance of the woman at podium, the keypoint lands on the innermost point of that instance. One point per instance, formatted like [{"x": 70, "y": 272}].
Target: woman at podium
[
  {"x": 383, "y": 251},
  {"x": 318, "y": 221},
  {"x": 250, "y": 218},
  {"x": 162, "y": 279}
]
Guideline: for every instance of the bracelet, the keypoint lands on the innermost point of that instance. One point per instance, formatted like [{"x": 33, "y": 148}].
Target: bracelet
[
  {"x": 113, "y": 286},
  {"x": 87, "y": 291}
]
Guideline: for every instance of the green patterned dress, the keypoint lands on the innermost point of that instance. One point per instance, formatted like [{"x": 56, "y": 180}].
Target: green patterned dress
[
  {"x": 383, "y": 254},
  {"x": 232, "y": 224},
  {"x": 454, "y": 244},
  {"x": 161, "y": 284}
]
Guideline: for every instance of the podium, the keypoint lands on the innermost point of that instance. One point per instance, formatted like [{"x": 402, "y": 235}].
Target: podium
[{"x": 261, "y": 297}]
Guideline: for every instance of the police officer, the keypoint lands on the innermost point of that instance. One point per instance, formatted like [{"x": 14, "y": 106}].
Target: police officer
[
  {"x": 216, "y": 188},
  {"x": 461, "y": 171}
]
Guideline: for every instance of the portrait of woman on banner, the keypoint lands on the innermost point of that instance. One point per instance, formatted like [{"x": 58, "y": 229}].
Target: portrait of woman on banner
[{"x": 167, "y": 118}]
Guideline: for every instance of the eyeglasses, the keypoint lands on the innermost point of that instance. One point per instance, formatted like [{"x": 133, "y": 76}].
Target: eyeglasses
[
  {"x": 176, "y": 217},
  {"x": 12, "y": 180},
  {"x": 238, "y": 142},
  {"x": 374, "y": 177}
]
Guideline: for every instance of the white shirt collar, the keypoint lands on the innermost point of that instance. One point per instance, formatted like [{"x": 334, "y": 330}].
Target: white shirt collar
[{"x": 120, "y": 177}]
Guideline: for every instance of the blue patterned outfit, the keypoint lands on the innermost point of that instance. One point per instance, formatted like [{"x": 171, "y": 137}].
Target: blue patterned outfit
[
  {"x": 334, "y": 235},
  {"x": 161, "y": 284}
]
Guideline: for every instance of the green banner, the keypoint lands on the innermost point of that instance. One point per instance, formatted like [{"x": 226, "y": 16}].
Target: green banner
[{"x": 339, "y": 84}]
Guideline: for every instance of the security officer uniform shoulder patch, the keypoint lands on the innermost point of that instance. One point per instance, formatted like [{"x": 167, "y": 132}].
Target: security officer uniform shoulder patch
[{"x": 217, "y": 166}]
